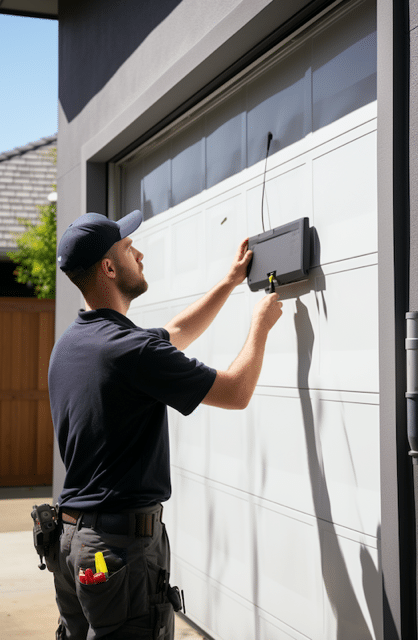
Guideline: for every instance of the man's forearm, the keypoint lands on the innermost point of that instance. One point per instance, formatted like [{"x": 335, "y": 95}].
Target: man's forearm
[
  {"x": 234, "y": 388},
  {"x": 189, "y": 324},
  {"x": 245, "y": 371}
]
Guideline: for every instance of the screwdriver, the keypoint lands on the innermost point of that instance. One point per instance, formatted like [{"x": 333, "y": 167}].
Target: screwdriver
[{"x": 100, "y": 563}]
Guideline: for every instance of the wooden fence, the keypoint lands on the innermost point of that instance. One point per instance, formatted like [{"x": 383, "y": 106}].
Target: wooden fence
[{"x": 26, "y": 432}]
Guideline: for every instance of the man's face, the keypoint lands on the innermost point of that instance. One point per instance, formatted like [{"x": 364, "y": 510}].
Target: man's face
[{"x": 129, "y": 269}]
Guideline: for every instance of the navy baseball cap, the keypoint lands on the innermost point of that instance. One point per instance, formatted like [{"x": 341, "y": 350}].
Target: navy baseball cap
[{"x": 88, "y": 238}]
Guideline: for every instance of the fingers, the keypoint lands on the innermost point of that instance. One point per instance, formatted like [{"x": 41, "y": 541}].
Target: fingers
[
  {"x": 247, "y": 257},
  {"x": 275, "y": 299},
  {"x": 238, "y": 269},
  {"x": 242, "y": 250},
  {"x": 273, "y": 307},
  {"x": 244, "y": 254}
]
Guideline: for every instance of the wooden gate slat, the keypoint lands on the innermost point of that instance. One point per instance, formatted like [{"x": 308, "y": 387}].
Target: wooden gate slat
[
  {"x": 26, "y": 432},
  {"x": 44, "y": 444}
]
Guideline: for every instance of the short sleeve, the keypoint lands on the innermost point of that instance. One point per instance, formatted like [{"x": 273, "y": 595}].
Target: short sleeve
[{"x": 168, "y": 375}]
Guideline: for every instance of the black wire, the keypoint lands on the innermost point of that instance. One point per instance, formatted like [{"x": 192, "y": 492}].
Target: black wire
[{"x": 269, "y": 139}]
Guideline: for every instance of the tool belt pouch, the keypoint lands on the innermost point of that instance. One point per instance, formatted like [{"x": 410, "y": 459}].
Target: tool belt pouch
[
  {"x": 46, "y": 535},
  {"x": 163, "y": 621},
  {"x": 173, "y": 594}
]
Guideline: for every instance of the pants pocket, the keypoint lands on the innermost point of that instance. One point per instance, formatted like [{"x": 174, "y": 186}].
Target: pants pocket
[
  {"x": 66, "y": 537},
  {"x": 163, "y": 622},
  {"x": 156, "y": 581},
  {"x": 52, "y": 559},
  {"x": 105, "y": 605}
]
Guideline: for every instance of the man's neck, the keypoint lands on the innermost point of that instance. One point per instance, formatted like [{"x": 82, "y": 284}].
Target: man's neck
[{"x": 118, "y": 304}]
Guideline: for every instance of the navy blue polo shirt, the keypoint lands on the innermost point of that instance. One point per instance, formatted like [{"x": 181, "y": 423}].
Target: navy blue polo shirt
[{"x": 109, "y": 385}]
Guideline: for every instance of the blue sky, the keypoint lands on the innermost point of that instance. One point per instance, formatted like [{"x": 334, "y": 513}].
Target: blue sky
[{"x": 28, "y": 80}]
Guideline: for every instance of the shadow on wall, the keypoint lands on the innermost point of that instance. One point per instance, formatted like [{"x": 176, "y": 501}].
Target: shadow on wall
[
  {"x": 96, "y": 38},
  {"x": 350, "y": 621}
]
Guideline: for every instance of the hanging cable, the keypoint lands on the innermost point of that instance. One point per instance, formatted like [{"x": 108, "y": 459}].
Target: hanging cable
[{"x": 269, "y": 139}]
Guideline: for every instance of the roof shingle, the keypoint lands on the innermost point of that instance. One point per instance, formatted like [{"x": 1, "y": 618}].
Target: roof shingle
[{"x": 26, "y": 178}]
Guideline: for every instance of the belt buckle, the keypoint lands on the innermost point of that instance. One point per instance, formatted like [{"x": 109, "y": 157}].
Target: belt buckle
[
  {"x": 71, "y": 516},
  {"x": 144, "y": 525}
]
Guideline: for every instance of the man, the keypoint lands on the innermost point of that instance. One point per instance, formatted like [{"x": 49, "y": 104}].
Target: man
[{"x": 110, "y": 383}]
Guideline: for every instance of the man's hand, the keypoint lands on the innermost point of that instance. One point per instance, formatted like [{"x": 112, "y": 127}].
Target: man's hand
[
  {"x": 238, "y": 271},
  {"x": 267, "y": 311}
]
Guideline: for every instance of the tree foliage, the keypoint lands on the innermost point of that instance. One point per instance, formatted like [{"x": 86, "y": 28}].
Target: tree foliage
[{"x": 36, "y": 252}]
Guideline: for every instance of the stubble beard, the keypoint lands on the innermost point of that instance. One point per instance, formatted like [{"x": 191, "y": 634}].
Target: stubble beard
[{"x": 131, "y": 289}]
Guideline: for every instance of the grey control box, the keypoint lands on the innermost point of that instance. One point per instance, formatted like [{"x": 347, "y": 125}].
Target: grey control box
[{"x": 283, "y": 252}]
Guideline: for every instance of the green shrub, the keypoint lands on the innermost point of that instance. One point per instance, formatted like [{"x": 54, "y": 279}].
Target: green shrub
[
  {"x": 36, "y": 253},
  {"x": 37, "y": 246}
]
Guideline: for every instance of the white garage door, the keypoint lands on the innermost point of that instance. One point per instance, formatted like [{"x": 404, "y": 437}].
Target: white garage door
[{"x": 274, "y": 519}]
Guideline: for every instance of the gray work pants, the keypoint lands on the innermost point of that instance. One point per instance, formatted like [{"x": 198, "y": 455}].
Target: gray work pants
[{"x": 132, "y": 603}]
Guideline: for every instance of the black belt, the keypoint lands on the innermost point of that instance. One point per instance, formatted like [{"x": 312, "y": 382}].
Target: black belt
[{"x": 140, "y": 525}]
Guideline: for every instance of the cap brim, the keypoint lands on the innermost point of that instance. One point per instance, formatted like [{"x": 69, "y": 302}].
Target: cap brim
[{"x": 130, "y": 223}]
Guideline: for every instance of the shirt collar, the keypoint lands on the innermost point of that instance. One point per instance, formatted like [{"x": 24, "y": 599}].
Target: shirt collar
[{"x": 97, "y": 315}]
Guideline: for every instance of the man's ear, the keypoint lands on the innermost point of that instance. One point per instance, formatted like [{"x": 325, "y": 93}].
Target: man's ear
[{"x": 108, "y": 268}]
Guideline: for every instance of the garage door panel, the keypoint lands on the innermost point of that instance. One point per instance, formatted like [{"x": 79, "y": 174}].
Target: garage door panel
[
  {"x": 348, "y": 333},
  {"x": 188, "y": 255},
  {"x": 279, "y": 455},
  {"x": 218, "y": 536},
  {"x": 279, "y": 102},
  {"x": 352, "y": 587},
  {"x": 289, "y": 583},
  {"x": 286, "y": 197},
  {"x": 188, "y": 440},
  {"x": 225, "y": 228},
  {"x": 227, "y": 334},
  {"x": 131, "y": 177},
  {"x": 345, "y": 199},
  {"x": 156, "y": 183},
  {"x": 188, "y": 163},
  {"x": 225, "y": 140},
  {"x": 344, "y": 66},
  {"x": 271, "y": 630},
  {"x": 152, "y": 316},
  {"x": 230, "y": 561},
  {"x": 220, "y": 612},
  {"x": 228, "y": 451},
  {"x": 156, "y": 247},
  {"x": 291, "y": 349},
  {"x": 349, "y": 460},
  {"x": 187, "y": 520}
]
